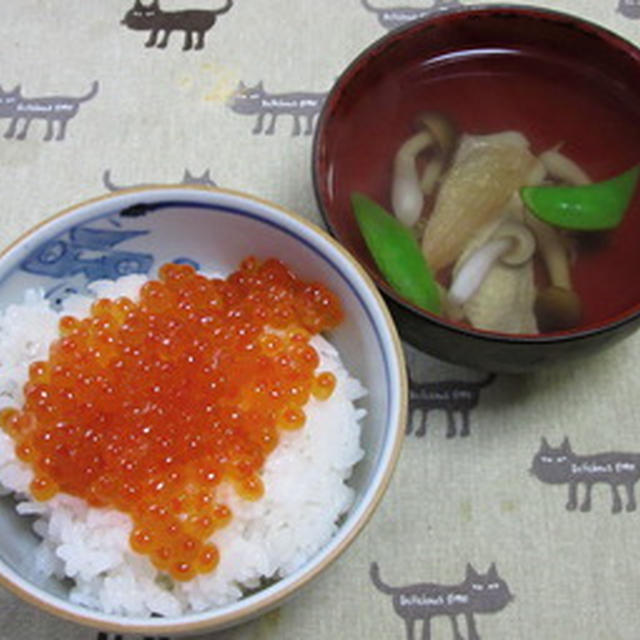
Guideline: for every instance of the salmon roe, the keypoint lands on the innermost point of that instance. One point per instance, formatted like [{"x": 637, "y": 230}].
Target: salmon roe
[{"x": 147, "y": 407}]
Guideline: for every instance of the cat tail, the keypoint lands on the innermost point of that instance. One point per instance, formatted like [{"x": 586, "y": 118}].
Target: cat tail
[
  {"x": 374, "y": 572},
  {"x": 224, "y": 9},
  {"x": 106, "y": 180},
  {"x": 92, "y": 92}
]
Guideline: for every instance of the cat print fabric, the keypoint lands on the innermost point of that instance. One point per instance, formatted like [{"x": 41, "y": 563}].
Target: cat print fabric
[
  {"x": 142, "y": 93},
  {"x": 54, "y": 111},
  {"x": 116, "y": 636},
  {"x": 560, "y": 465},
  {"x": 629, "y": 9},
  {"x": 478, "y": 593},
  {"x": 187, "y": 179},
  {"x": 193, "y": 23},
  {"x": 454, "y": 397},
  {"x": 302, "y": 107},
  {"x": 395, "y": 17}
]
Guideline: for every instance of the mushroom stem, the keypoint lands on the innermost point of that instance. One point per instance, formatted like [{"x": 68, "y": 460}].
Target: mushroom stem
[
  {"x": 557, "y": 307},
  {"x": 553, "y": 251},
  {"x": 444, "y": 134},
  {"x": 512, "y": 243},
  {"x": 563, "y": 168},
  {"x": 407, "y": 198},
  {"x": 431, "y": 175},
  {"x": 441, "y": 128},
  {"x": 407, "y": 188},
  {"x": 475, "y": 270},
  {"x": 536, "y": 176}
]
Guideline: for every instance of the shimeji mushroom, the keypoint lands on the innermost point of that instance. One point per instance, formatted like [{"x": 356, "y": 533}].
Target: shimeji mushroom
[
  {"x": 557, "y": 307},
  {"x": 512, "y": 243},
  {"x": 445, "y": 134},
  {"x": 583, "y": 206},
  {"x": 408, "y": 189},
  {"x": 563, "y": 168},
  {"x": 431, "y": 174},
  {"x": 407, "y": 198}
]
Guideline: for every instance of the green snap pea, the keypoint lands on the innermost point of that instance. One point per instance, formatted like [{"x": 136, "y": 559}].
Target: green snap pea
[
  {"x": 396, "y": 253},
  {"x": 592, "y": 207}
]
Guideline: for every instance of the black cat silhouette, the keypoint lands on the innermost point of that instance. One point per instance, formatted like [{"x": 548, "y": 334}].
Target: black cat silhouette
[
  {"x": 477, "y": 593},
  {"x": 560, "y": 465},
  {"x": 629, "y": 9},
  {"x": 451, "y": 396},
  {"x": 395, "y": 17},
  {"x": 52, "y": 109},
  {"x": 255, "y": 101},
  {"x": 187, "y": 178},
  {"x": 153, "y": 19}
]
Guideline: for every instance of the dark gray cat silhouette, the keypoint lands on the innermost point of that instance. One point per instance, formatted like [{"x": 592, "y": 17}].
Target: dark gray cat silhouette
[
  {"x": 105, "y": 636},
  {"x": 394, "y": 17},
  {"x": 255, "y": 101},
  {"x": 53, "y": 110},
  {"x": 450, "y": 396},
  {"x": 477, "y": 593},
  {"x": 629, "y": 9},
  {"x": 560, "y": 465},
  {"x": 194, "y": 22},
  {"x": 203, "y": 180}
]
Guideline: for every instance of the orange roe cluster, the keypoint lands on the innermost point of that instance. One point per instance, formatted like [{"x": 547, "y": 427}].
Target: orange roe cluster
[{"x": 147, "y": 407}]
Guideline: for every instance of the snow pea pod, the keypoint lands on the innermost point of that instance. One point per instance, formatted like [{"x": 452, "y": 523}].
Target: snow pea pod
[
  {"x": 396, "y": 253},
  {"x": 591, "y": 207}
]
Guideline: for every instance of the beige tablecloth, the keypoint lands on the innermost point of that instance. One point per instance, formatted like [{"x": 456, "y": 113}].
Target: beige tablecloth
[{"x": 462, "y": 503}]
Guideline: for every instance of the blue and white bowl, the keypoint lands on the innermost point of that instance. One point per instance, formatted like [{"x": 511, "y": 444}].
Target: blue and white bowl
[{"x": 137, "y": 231}]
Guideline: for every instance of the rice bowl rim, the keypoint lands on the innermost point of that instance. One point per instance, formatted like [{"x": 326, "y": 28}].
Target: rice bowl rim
[{"x": 369, "y": 297}]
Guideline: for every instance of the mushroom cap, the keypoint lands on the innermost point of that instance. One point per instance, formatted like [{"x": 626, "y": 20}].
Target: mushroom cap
[
  {"x": 441, "y": 127},
  {"x": 557, "y": 309},
  {"x": 523, "y": 243}
]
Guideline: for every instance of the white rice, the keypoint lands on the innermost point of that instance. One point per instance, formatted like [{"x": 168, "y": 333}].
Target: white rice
[{"x": 305, "y": 481}]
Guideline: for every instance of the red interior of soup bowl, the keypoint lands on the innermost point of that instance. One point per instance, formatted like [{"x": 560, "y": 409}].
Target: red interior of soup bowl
[{"x": 555, "y": 78}]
